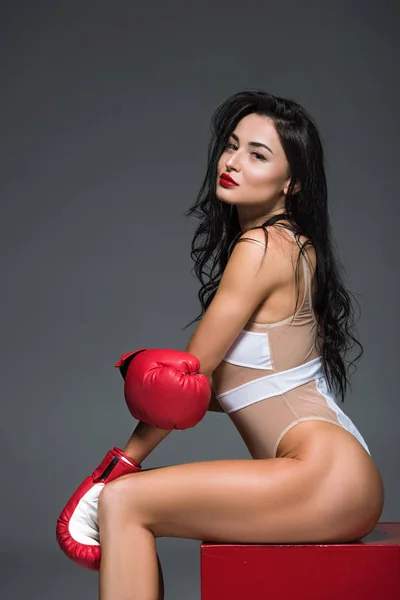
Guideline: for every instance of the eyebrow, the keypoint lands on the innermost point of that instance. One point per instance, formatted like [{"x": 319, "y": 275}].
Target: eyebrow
[{"x": 253, "y": 144}]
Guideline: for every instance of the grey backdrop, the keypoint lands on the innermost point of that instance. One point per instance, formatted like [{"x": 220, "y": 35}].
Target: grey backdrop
[{"x": 105, "y": 110}]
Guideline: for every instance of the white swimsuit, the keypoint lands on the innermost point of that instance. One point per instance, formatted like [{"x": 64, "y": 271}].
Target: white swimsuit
[{"x": 277, "y": 364}]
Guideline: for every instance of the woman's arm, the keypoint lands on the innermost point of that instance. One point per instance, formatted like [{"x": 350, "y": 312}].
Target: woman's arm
[{"x": 248, "y": 278}]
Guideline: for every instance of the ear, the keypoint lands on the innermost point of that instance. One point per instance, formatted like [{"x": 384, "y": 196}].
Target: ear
[{"x": 296, "y": 188}]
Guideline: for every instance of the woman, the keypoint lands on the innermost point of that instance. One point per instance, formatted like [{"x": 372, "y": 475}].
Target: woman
[{"x": 274, "y": 331}]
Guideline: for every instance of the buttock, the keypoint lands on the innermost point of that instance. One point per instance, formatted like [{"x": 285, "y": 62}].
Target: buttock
[
  {"x": 341, "y": 471},
  {"x": 337, "y": 469}
]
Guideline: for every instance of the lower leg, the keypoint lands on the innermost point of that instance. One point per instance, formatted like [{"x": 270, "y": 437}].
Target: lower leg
[
  {"x": 137, "y": 572},
  {"x": 143, "y": 440}
]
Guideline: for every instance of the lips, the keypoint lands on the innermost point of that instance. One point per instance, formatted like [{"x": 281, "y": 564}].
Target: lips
[{"x": 227, "y": 179}]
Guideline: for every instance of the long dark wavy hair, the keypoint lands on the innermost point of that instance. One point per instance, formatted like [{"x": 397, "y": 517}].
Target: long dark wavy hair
[{"x": 305, "y": 213}]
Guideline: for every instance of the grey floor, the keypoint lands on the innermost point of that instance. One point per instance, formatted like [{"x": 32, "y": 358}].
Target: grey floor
[{"x": 45, "y": 576}]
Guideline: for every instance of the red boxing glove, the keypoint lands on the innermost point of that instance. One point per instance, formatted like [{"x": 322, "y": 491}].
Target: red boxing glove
[
  {"x": 77, "y": 528},
  {"x": 164, "y": 388}
]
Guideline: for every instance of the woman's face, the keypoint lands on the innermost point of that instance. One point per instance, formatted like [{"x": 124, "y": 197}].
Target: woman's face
[{"x": 255, "y": 160}]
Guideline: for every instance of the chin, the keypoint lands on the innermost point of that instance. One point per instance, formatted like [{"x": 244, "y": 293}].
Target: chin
[{"x": 225, "y": 197}]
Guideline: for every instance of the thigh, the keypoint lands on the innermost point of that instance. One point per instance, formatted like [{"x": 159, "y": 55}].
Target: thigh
[{"x": 245, "y": 501}]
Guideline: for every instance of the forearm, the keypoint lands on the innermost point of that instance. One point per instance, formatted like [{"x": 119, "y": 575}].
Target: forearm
[
  {"x": 146, "y": 437},
  {"x": 143, "y": 440}
]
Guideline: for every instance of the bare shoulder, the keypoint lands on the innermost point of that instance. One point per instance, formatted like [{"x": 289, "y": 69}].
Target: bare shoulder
[
  {"x": 280, "y": 249},
  {"x": 274, "y": 237}
]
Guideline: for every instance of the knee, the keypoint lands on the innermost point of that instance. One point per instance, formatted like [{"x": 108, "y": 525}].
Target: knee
[
  {"x": 120, "y": 499},
  {"x": 111, "y": 498}
]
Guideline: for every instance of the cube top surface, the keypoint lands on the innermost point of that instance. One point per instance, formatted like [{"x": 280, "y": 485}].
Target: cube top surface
[{"x": 383, "y": 534}]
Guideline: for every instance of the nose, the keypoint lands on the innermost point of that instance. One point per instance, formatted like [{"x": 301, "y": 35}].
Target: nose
[{"x": 232, "y": 162}]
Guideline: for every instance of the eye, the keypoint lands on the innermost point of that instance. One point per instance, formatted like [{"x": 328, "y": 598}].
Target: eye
[
  {"x": 231, "y": 146},
  {"x": 258, "y": 156}
]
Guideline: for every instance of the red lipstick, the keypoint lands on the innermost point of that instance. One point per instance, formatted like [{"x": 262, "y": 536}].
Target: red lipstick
[{"x": 226, "y": 180}]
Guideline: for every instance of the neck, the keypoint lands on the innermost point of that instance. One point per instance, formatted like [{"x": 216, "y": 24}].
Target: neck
[{"x": 251, "y": 216}]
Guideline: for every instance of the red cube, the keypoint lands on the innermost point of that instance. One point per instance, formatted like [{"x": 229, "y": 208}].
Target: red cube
[{"x": 366, "y": 570}]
